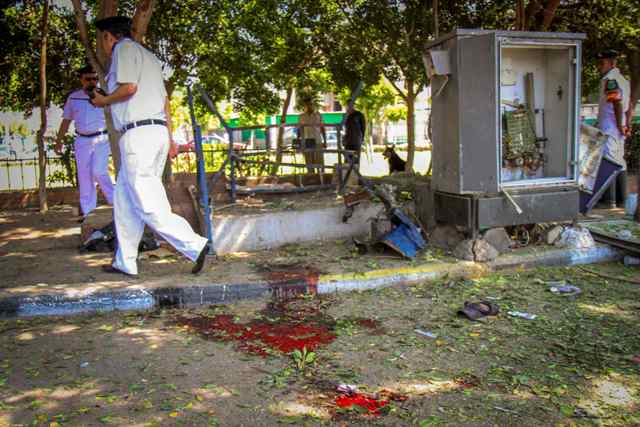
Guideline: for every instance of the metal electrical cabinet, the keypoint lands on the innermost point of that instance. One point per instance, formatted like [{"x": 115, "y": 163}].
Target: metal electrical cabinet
[{"x": 505, "y": 127}]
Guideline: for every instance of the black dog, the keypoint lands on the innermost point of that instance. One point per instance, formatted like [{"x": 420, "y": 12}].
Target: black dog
[{"x": 396, "y": 164}]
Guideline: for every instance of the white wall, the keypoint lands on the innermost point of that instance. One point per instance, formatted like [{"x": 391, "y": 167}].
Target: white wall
[{"x": 13, "y": 145}]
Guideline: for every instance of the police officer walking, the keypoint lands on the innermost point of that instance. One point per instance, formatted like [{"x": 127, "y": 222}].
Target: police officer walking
[
  {"x": 612, "y": 118},
  {"x": 140, "y": 110},
  {"x": 91, "y": 146}
]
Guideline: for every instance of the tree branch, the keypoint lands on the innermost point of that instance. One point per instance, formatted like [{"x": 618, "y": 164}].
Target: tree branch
[
  {"x": 400, "y": 91},
  {"x": 81, "y": 22},
  {"x": 549, "y": 13},
  {"x": 141, "y": 19}
]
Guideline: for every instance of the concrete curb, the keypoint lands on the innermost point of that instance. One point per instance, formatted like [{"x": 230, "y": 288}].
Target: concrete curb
[{"x": 29, "y": 305}]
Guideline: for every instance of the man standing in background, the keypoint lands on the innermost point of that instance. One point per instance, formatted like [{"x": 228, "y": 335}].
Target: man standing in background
[
  {"x": 355, "y": 127},
  {"x": 140, "y": 109},
  {"x": 91, "y": 146},
  {"x": 612, "y": 118}
]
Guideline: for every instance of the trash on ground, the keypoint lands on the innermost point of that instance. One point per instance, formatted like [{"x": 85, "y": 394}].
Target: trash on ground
[
  {"x": 522, "y": 315},
  {"x": 631, "y": 260},
  {"x": 576, "y": 238},
  {"x": 478, "y": 310},
  {"x": 426, "y": 333},
  {"x": 566, "y": 289},
  {"x": 347, "y": 388},
  {"x": 84, "y": 364}
]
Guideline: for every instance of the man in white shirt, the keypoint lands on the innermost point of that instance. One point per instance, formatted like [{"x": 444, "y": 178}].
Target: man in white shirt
[
  {"x": 91, "y": 146},
  {"x": 140, "y": 110},
  {"x": 612, "y": 107}
]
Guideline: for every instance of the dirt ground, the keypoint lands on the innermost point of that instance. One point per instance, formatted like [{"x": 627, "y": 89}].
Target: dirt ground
[
  {"x": 41, "y": 251},
  {"x": 577, "y": 363}
]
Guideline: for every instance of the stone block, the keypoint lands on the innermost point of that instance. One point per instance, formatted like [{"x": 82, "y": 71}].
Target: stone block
[{"x": 498, "y": 238}]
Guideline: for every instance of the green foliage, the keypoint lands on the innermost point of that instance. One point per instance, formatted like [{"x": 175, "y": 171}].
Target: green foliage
[
  {"x": 303, "y": 358},
  {"x": 67, "y": 159},
  {"x": 609, "y": 24},
  {"x": 20, "y": 55},
  {"x": 632, "y": 150}
]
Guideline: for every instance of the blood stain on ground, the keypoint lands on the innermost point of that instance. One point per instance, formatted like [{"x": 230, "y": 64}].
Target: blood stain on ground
[
  {"x": 372, "y": 405},
  {"x": 289, "y": 322},
  {"x": 258, "y": 337}
]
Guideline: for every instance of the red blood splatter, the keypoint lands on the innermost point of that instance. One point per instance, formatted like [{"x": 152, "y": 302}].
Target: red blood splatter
[
  {"x": 256, "y": 337},
  {"x": 357, "y": 399}
]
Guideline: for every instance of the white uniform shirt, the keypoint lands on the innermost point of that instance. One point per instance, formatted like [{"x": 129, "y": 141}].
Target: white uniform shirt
[
  {"x": 607, "y": 123},
  {"x": 86, "y": 118},
  {"x": 132, "y": 63}
]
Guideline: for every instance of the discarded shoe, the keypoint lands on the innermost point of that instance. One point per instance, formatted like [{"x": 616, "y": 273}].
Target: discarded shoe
[{"x": 478, "y": 310}]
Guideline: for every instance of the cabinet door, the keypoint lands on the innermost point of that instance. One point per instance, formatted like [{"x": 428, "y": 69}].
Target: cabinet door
[{"x": 479, "y": 119}]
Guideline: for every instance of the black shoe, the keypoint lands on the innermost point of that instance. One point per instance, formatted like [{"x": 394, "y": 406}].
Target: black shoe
[
  {"x": 201, "y": 259},
  {"x": 111, "y": 269}
]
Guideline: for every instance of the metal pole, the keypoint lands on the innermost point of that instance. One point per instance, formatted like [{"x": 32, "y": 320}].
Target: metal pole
[
  {"x": 202, "y": 176},
  {"x": 231, "y": 155}
]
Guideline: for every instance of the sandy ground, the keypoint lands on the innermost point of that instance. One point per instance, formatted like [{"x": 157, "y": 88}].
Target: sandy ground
[
  {"x": 40, "y": 251},
  {"x": 573, "y": 365}
]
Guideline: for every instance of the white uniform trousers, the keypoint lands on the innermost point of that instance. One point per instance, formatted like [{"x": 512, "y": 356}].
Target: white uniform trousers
[
  {"x": 92, "y": 162},
  {"x": 140, "y": 198}
]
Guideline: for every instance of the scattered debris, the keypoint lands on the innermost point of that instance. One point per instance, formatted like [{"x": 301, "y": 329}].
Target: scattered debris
[
  {"x": 478, "y": 250},
  {"x": 568, "y": 290},
  {"x": 426, "y": 333},
  {"x": 553, "y": 235},
  {"x": 499, "y": 239},
  {"x": 576, "y": 238},
  {"x": 522, "y": 315},
  {"x": 509, "y": 411},
  {"x": 84, "y": 364},
  {"x": 631, "y": 260},
  {"x": 625, "y": 234},
  {"x": 347, "y": 388},
  {"x": 478, "y": 310},
  {"x": 406, "y": 236}
]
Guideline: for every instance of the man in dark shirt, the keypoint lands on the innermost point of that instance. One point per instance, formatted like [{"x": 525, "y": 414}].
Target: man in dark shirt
[{"x": 355, "y": 127}]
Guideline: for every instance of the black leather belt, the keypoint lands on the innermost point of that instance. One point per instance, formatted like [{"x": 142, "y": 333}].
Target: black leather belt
[
  {"x": 91, "y": 135},
  {"x": 139, "y": 123}
]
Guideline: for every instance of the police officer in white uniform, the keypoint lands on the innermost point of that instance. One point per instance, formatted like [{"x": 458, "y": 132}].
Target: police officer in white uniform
[
  {"x": 91, "y": 146},
  {"x": 612, "y": 118},
  {"x": 140, "y": 109}
]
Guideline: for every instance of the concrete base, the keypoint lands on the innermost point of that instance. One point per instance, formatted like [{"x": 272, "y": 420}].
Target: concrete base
[{"x": 248, "y": 233}]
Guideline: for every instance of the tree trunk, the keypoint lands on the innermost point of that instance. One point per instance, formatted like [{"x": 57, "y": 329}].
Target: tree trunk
[
  {"x": 42, "y": 152},
  {"x": 549, "y": 13},
  {"x": 411, "y": 127},
  {"x": 281, "y": 131},
  {"x": 98, "y": 57}
]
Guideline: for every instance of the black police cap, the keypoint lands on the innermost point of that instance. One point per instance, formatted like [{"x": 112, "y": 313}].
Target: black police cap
[
  {"x": 87, "y": 69},
  {"x": 114, "y": 24},
  {"x": 608, "y": 54}
]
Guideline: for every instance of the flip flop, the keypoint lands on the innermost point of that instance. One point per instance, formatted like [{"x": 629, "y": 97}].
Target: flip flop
[{"x": 479, "y": 309}]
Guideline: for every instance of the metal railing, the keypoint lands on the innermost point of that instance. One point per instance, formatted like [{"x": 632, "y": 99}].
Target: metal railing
[{"x": 23, "y": 174}]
